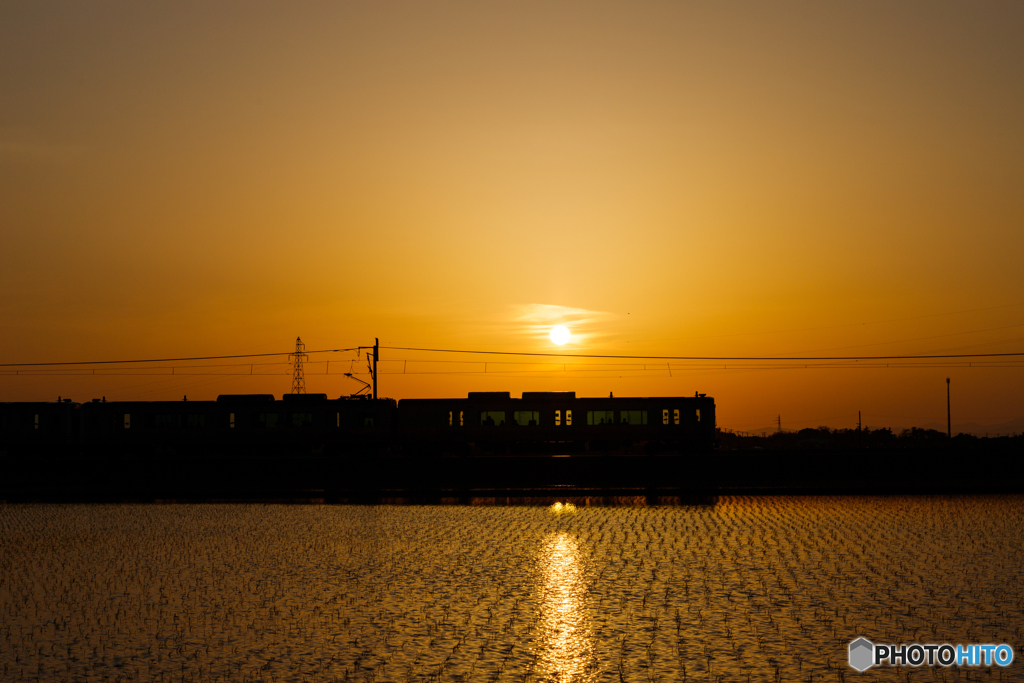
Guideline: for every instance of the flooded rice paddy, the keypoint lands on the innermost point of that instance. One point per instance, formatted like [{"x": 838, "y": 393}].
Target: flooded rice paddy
[{"x": 745, "y": 589}]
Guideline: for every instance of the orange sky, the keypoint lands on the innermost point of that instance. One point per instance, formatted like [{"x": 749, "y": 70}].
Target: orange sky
[{"x": 681, "y": 179}]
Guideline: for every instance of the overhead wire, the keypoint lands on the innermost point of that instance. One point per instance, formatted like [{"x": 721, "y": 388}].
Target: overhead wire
[
  {"x": 512, "y": 367},
  {"x": 509, "y": 367},
  {"x": 860, "y": 324},
  {"x": 937, "y": 336},
  {"x": 929, "y": 356},
  {"x": 709, "y": 358},
  {"x": 174, "y": 360}
]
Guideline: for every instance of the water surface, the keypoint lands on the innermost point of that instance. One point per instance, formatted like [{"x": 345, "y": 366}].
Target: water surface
[{"x": 759, "y": 589}]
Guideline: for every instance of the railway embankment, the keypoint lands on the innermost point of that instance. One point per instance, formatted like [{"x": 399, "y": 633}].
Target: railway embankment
[{"x": 997, "y": 468}]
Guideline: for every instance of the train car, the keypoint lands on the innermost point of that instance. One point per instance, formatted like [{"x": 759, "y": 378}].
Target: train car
[
  {"x": 311, "y": 424},
  {"x": 38, "y": 428},
  {"x": 365, "y": 425},
  {"x": 141, "y": 428},
  {"x": 237, "y": 424},
  {"x": 494, "y": 422}
]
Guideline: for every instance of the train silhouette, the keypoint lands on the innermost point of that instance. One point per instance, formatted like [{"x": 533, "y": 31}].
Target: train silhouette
[{"x": 303, "y": 424}]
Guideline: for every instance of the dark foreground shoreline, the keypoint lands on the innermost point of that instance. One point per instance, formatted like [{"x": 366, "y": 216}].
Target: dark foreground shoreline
[{"x": 373, "y": 479}]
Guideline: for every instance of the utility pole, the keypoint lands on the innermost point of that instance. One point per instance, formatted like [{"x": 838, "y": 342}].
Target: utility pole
[
  {"x": 949, "y": 420},
  {"x": 376, "y": 357},
  {"x": 298, "y": 376},
  {"x": 858, "y": 420},
  {"x": 779, "y": 421}
]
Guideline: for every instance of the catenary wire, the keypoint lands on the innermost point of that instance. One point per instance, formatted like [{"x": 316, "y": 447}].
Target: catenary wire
[
  {"x": 174, "y": 360},
  {"x": 787, "y": 359},
  {"x": 710, "y": 358}
]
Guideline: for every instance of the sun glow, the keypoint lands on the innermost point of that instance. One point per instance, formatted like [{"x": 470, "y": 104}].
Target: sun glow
[{"x": 560, "y": 334}]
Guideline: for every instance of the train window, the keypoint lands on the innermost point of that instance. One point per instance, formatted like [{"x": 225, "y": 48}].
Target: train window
[
  {"x": 367, "y": 421},
  {"x": 127, "y": 421},
  {"x": 36, "y": 424},
  {"x": 268, "y": 420},
  {"x": 302, "y": 419},
  {"x": 231, "y": 420},
  {"x": 527, "y": 418},
  {"x": 492, "y": 418},
  {"x": 166, "y": 421},
  {"x": 196, "y": 420},
  {"x": 664, "y": 416},
  {"x": 675, "y": 416},
  {"x": 568, "y": 418},
  {"x": 461, "y": 421},
  {"x": 337, "y": 417},
  {"x": 698, "y": 414},
  {"x": 633, "y": 417},
  {"x": 558, "y": 417},
  {"x": 449, "y": 418},
  {"x": 600, "y": 417}
]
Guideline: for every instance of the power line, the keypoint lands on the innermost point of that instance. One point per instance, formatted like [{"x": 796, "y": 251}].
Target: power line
[
  {"x": 711, "y": 358},
  {"x": 170, "y": 360},
  {"x": 513, "y": 368},
  {"x": 575, "y": 372},
  {"x": 860, "y": 324},
  {"x": 937, "y": 336},
  {"x": 948, "y": 356}
]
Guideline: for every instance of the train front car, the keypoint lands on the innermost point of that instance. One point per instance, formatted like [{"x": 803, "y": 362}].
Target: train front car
[{"x": 556, "y": 422}]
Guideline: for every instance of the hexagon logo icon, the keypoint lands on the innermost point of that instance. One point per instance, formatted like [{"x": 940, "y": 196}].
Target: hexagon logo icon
[{"x": 862, "y": 654}]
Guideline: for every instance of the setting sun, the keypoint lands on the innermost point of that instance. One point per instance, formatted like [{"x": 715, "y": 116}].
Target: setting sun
[
  {"x": 524, "y": 176},
  {"x": 560, "y": 334}
]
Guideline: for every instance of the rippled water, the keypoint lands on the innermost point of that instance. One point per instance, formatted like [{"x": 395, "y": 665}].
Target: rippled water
[{"x": 759, "y": 589}]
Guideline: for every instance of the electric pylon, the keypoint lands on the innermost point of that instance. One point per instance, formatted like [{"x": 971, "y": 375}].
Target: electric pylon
[{"x": 298, "y": 378}]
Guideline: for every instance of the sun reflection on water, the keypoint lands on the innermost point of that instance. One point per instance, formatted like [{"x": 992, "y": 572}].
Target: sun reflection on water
[{"x": 566, "y": 646}]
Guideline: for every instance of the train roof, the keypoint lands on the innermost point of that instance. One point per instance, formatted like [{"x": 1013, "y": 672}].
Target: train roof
[
  {"x": 479, "y": 396},
  {"x": 245, "y": 398}
]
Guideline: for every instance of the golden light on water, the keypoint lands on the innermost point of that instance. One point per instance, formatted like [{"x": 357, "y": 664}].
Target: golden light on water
[{"x": 567, "y": 641}]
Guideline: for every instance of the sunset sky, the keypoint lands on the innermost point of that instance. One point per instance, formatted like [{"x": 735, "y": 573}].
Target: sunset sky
[{"x": 688, "y": 179}]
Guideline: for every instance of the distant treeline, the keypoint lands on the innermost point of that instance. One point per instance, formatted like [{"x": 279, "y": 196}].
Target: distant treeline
[{"x": 824, "y": 438}]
